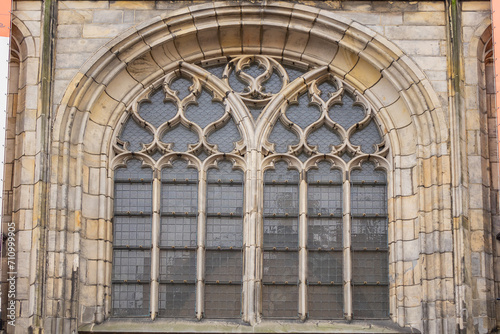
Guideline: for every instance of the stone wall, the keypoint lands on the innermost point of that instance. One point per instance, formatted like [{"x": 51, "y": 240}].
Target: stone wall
[{"x": 397, "y": 52}]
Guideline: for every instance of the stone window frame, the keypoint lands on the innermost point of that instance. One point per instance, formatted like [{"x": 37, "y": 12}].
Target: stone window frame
[{"x": 306, "y": 84}]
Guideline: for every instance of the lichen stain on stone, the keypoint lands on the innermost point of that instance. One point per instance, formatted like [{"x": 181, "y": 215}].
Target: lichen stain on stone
[
  {"x": 332, "y": 4},
  {"x": 78, "y": 218}
]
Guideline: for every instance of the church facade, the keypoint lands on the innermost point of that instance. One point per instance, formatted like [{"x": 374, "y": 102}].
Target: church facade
[{"x": 251, "y": 166}]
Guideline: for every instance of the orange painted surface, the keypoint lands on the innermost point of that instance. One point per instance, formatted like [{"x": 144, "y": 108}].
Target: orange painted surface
[
  {"x": 495, "y": 9},
  {"x": 5, "y": 9}
]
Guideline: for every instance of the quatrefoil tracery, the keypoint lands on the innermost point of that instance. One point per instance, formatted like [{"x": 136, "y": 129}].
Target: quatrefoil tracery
[{"x": 322, "y": 116}]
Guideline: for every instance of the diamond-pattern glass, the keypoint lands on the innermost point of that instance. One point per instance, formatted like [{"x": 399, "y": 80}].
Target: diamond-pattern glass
[
  {"x": 216, "y": 70},
  {"x": 134, "y": 171},
  {"x": 181, "y": 85},
  {"x": 282, "y": 138},
  {"x": 324, "y": 174},
  {"x": 255, "y": 111},
  {"x": 129, "y": 300},
  {"x": 325, "y": 302},
  {"x": 324, "y": 138},
  {"x": 273, "y": 84},
  {"x": 205, "y": 111},
  {"x": 280, "y": 301},
  {"x": 367, "y": 138},
  {"x": 133, "y": 231},
  {"x": 326, "y": 88},
  {"x": 223, "y": 266},
  {"x": 302, "y": 113},
  {"x": 225, "y": 137},
  {"x": 346, "y": 114},
  {"x": 135, "y": 135},
  {"x": 178, "y": 265},
  {"x": 179, "y": 172},
  {"x": 178, "y": 231},
  {"x": 131, "y": 265},
  {"x": 293, "y": 72},
  {"x": 368, "y": 174},
  {"x": 156, "y": 111},
  {"x": 370, "y": 302},
  {"x": 180, "y": 137},
  {"x": 237, "y": 84},
  {"x": 222, "y": 301},
  {"x": 177, "y": 301},
  {"x": 324, "y": 267}
]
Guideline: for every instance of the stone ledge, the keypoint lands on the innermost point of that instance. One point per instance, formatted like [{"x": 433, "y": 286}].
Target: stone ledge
[{"x": 137, "y": 326}]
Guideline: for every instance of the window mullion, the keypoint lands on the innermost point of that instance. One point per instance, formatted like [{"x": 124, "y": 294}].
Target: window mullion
[
  {"x": 200, "y": 250},
  {"x": 347, "y": 248},
  {"x": 303, "y": 247},
  {"x": 155, "y": 249}
]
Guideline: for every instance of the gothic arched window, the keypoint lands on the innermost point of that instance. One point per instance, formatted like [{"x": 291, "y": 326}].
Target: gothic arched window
[{"x": 249, "y": 187}]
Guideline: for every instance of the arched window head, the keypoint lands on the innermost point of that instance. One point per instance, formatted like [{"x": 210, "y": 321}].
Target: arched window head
[{"x": 250, "y": 188}]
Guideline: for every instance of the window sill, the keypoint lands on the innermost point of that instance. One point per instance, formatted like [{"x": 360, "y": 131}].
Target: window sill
[{"x": 118, "y": 326}]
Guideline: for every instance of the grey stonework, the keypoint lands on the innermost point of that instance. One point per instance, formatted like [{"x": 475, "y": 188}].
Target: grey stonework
[{"x": 443, "y": 173}]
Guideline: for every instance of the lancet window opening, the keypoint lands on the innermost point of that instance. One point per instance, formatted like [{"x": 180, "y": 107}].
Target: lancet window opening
[{"x": 184, "y": 223}]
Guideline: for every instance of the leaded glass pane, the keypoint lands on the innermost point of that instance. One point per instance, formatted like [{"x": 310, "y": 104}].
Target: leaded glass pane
[
  {"x": 178, "y": 231},
  {"x": 181, "y": 85},
  {"x": 224, "y": 266},
  {"x": 131, "y": 265},
  {"x": 367, "y": 138},
  {"x": 129, "y": 300},
  {"x": 180, "y": 138},
  {"x": 177, "y": 300},
  {"x": 368, "y": 199},
  {"x": 236, "y": 83},
  {"x": 179, "y": 172},
  {"x": 280, "y": 301},
  {"x": 325, "y": 302},
  {"x": 369, "y": 232},
  {"x": 133, "y": 198},
  {"x": 135, "y": 135},
  {"x": 134, "y": 171},
  {"x": 133, "y": 231},
  {"x": 370, "y": 266},
  {"x": 303, "y": 114},
  {"x": 222, "y": 301},
  {"x": 368, "y": 174},
  {"x": 346, "y": 114},
  {"x": 273, "y": 84},
  {"x": 370, "y": 302},
  {"x": 205, "y": 111},
  {"x": 281, "y": 174},
  {"x": 293, "y": 72},
  {"x": 282, "y": 138},
  {"x": 324, "y": 138},
  {"x": 281, "y": 232},
  {"x": 157, "y": 111},
  {"x": 325, "y": 267},
  {"x": 324, "y": 174},
  {"x": 326, "y": 88},
  {"x": 225, "y": 137},
  {"x": 216, "y": 70},
  {"x": 324, "y": 233},
  {"x": 280, "y": 267},
  {"x": 178, "y": 265}
]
